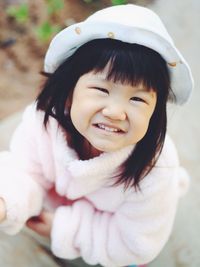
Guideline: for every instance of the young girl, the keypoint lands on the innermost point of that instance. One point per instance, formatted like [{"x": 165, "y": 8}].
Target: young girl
[{"x": 91, "y": 157}]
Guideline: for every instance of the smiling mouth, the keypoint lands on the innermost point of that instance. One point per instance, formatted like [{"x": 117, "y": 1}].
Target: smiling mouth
[{"x": 108, "y": 128}]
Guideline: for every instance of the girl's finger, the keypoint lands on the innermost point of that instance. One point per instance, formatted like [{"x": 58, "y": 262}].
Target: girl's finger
[{"x": 41, "y": 224}]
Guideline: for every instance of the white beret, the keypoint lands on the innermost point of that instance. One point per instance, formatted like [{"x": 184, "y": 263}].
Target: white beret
[{"x": 128, "y": 23}]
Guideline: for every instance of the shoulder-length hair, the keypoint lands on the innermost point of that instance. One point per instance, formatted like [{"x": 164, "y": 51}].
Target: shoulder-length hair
[{"x": 128, "y": 63}]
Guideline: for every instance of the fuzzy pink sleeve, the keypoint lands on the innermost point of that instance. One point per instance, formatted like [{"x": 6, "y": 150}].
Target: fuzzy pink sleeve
[
  {"x": 134, "y": 234},
  {"x": 20, "y": 172}
]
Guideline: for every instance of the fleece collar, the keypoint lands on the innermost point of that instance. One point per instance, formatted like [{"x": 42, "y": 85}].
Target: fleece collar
[{"x": 76, "y": 177}]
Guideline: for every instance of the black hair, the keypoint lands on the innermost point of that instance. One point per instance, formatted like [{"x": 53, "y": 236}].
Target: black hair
[{"x": 128, "y": 63}]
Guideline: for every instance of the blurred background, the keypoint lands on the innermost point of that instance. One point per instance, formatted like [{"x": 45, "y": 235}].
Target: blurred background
[{"x": 26, "y": 28}]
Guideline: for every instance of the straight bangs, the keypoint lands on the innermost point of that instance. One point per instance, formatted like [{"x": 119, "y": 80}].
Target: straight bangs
[{"x": 127, "y": 63}]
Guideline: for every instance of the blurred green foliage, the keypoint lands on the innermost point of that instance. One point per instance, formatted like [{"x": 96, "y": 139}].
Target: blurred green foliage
[
  {"x": 19, "y": 13},
  {"x": 48, "y": 28},
  {"x": 88, "y": 1},
  {"x": 118, "y": 2},
  {"x": 45, "y": 30},
  {"x": 53, "y": 6}
]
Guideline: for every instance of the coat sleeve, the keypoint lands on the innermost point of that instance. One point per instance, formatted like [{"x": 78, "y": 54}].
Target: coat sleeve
[
  {"x": 133, "y": 234},
  {"x": 20, "y": 172}
]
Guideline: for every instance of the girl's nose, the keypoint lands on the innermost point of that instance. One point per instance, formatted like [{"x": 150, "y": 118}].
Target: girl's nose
[{"x": 114, "y": 112}]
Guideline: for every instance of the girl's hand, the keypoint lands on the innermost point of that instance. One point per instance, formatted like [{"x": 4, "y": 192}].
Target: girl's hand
[
  {"x": 41, "y": 224},
  {"x": 2, "y": 210}
]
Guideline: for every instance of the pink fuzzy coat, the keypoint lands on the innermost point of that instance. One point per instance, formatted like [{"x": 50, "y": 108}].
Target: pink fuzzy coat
[{"x": 100, "y": 223}]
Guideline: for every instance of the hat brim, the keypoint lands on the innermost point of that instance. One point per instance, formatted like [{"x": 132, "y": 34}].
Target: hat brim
[{"x": 68, "y": 40}]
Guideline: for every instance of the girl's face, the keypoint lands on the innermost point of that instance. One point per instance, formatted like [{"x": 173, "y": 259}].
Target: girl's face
[{"x": 110, "y": 115}]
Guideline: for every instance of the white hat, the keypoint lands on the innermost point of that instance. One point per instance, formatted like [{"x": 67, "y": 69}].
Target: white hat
[{"x": 128, "y": 23}]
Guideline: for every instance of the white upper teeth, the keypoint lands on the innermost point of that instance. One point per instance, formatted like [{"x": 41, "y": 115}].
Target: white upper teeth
[{"x": 109, "y": 129}]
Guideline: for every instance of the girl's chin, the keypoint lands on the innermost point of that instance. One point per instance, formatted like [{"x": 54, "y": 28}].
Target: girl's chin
[{"x": 97, "y": 150}]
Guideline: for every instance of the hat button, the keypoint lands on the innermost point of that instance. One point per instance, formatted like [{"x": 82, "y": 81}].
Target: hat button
[
  {"x": 111, "y": 35},
  {"x": 78, "y": 30},
  {"x": 172, "y": 64}
]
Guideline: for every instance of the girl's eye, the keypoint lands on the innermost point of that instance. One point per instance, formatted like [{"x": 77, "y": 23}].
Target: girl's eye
[
  {"x": 138, "y": 99},
  {"x": 102, "y": 90}
]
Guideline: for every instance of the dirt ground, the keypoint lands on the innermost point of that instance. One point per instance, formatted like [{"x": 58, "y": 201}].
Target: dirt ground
[{"x": 22, "y": 54}]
